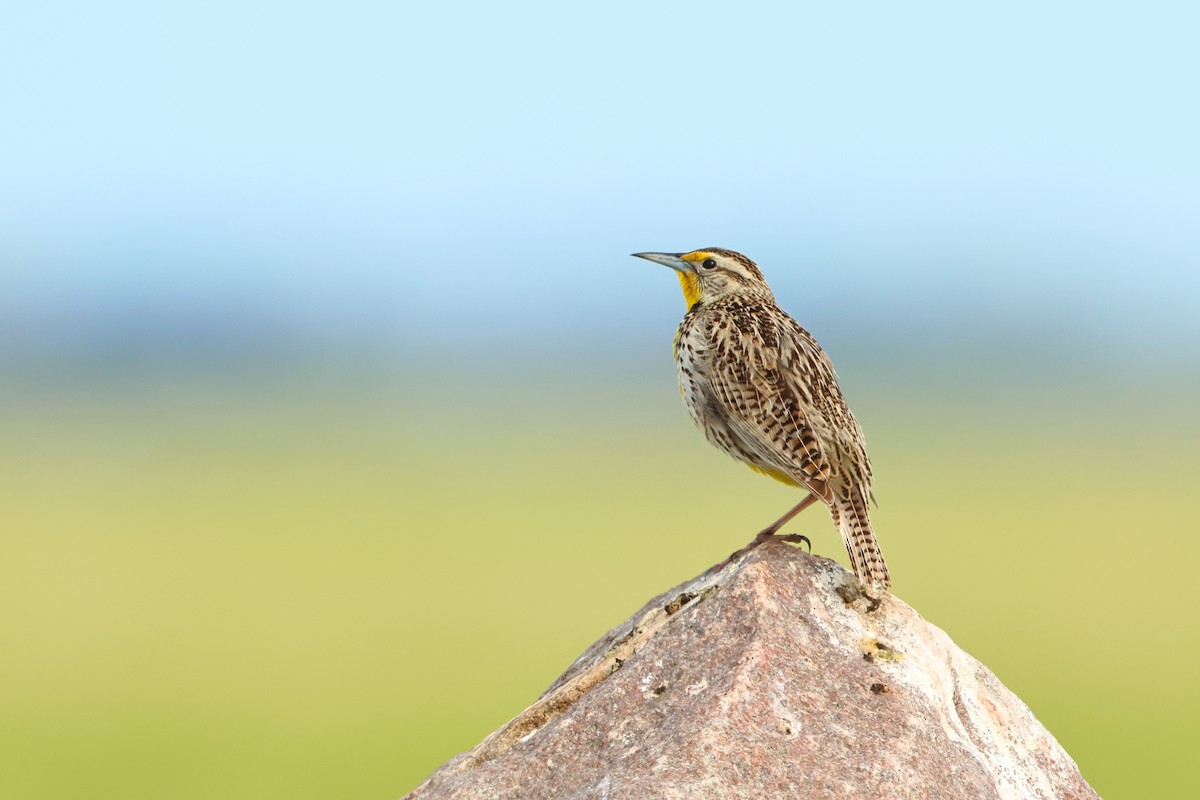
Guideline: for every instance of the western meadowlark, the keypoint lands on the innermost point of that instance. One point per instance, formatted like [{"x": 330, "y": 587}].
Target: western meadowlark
[{"x": 763, "y": 390}]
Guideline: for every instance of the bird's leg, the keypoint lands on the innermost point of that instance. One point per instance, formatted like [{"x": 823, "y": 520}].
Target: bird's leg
[
  {"x": 769, "y": 532},
  {"x": 779, "y": 523}
]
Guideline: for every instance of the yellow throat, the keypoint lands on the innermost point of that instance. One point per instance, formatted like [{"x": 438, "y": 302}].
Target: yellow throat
[
  {"x": 689, "y": 280},
  {"x": 691, "y": 288}
]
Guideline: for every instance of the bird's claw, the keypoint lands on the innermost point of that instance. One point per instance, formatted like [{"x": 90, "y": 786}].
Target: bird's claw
[
  {"x": 795, "y": 538},
  {"x": 763, "y": 536}
]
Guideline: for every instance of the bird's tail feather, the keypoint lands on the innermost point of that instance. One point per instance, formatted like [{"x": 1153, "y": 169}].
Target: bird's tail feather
[{"x": 866, "y": 558}]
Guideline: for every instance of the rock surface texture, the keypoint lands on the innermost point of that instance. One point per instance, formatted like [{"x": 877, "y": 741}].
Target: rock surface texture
[{"x": 775, "y": 677}]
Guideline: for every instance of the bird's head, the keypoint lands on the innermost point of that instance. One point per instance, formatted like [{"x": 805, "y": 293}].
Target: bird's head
[{"x": 713, "y": 273}]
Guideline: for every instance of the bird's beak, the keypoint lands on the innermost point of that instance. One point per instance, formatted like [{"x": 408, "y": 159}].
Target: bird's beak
[{"x": 671, "y": 260}]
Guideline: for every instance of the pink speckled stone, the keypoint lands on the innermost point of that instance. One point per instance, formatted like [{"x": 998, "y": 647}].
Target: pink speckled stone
[{"x": 777, "y": 679}]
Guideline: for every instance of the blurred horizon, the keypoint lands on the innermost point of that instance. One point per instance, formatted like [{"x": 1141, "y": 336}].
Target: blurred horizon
[{"x": 220, "y": 177}]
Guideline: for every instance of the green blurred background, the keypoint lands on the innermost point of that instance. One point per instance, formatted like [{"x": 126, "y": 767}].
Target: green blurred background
[{"x": 336, "y": 420}]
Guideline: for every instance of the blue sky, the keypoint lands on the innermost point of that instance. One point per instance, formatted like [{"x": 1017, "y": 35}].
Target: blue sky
[{"x": 468, "y": 171}]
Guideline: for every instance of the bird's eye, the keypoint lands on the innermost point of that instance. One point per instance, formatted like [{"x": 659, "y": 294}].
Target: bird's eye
[{"x": 708, "y": 263}]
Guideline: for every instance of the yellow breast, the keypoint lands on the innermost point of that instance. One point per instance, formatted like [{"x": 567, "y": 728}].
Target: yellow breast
[{"x": 782, "y": 477}]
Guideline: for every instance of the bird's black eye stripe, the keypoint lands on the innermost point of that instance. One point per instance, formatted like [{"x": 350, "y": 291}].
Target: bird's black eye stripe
[{"x": 708, "y": 263}]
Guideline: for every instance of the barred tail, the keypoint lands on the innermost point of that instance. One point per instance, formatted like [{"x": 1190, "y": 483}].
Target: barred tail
[{"x": 866, "y": 558}]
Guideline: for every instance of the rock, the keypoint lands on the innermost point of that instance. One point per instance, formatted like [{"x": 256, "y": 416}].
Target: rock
[{"x": 776, "y": 677}]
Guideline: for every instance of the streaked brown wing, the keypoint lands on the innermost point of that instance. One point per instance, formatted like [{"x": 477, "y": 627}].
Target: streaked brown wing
[
  {"x": 810, "y": 371},
  {"x": 765, "y": 387}
]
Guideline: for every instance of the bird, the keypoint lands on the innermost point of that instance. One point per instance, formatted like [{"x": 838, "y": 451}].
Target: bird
[{"x": 763, "y": 391}]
